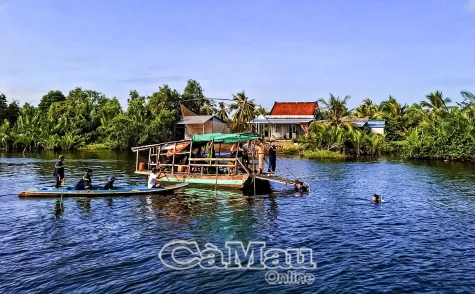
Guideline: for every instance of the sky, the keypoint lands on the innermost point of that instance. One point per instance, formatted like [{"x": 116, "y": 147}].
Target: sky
[{"x": 275, "y": 50}]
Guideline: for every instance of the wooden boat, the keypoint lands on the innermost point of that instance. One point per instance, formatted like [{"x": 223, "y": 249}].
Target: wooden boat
[
  {"x": 100, "y": 192},
  {"x": 183, "y": 161}
]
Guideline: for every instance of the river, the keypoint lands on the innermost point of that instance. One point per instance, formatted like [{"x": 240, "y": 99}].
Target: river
[{"x": 420, "y": 240}]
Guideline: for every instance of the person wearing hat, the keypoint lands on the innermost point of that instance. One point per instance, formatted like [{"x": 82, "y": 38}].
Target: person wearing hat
[
  {"x": 85, "y": 183},
  {"x": 110, "y": 183},
  {"x": 272, "y": 157},
  {"x": 59, "y": 171}
]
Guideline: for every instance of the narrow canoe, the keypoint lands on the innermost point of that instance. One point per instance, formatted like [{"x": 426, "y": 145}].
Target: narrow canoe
[{"x": 100, "y": 192}]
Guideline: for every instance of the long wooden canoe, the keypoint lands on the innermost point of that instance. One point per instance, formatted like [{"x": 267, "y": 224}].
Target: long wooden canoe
[{"x": 100, "y": 192}]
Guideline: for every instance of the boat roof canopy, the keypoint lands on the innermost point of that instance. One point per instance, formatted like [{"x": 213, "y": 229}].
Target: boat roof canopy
[{"x": 225, "y": 138}]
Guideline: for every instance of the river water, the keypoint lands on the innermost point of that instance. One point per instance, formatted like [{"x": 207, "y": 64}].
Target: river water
[{"x": 420, "y": 240}]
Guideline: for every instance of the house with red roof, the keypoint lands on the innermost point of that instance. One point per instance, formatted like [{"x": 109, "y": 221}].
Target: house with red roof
[{"x": 287, "y": 120}]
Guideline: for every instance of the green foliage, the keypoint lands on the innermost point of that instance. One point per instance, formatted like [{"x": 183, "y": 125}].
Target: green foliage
[
  {"x": 323, "y": 154},
  {"x": 244, "y": 111},
  {"x": 50, "y": 98}
]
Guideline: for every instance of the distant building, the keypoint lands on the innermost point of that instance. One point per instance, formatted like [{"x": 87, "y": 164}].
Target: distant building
[
  {"x": 192, "y": 124},
  {"x": 287, "y": 120},
  {"x": 375, "y": 126}
]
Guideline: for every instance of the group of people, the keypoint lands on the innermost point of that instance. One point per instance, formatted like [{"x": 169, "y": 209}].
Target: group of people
[
  {"x": 247, "y": 151},
  {"x": 85, "y": 183}
]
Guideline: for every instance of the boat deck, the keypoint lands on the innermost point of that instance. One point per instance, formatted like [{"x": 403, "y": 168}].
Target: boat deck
[{"x": 276, "y": 179}]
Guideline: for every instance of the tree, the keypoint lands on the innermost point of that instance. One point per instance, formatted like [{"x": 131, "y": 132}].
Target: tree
[
  {"x": 244, "y": 109},
  {"x": 369, "y": 110},
  {"x": 164, "y": 99},
  {"x": 193, "y": 97},
  {"x": 50, "y": 98},
  {"x": 436, "y": 102},
  {"x": 3, "y": 107},
  {"x": 222, "y": 112},
  {"x": 335, "y": 112}
]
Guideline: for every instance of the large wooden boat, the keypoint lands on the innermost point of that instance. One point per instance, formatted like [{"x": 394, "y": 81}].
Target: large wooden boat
[{"x": 185, "y": 161}]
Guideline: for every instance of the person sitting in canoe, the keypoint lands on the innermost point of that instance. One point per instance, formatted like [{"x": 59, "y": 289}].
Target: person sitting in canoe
[
  {"x": 110, "y": 183},
  {"x": 59, "y": 172},
  {"x": 85, "y": 183},
  {"x": 152, "y": 179}
]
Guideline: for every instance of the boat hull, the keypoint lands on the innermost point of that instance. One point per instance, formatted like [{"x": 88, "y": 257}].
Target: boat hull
[
  {"x": 237, "y": 181},
  {"x": 118, "y": 191}
]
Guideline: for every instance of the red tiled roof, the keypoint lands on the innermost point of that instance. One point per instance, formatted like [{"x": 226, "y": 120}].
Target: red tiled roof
[{"x": 294, "y": 108}]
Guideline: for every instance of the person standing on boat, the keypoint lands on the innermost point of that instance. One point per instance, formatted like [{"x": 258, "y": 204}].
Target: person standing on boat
[
  {"x": 59, "y": 171},
  {"x": 272, "y": 156},
  {"x": 152, "y": 179},
  {"x": 248, "y": 151},
  {"x": 261, "y": 151},
  {"x": 85, "y": 183}
]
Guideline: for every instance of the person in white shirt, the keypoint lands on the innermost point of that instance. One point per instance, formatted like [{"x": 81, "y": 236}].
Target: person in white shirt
[{"x": 152, "y": 179}]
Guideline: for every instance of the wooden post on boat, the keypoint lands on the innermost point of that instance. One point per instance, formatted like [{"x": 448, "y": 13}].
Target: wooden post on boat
[
  {"x": 137, "y": 161},
  {"x": 254, "y": 173},
  {"x": 158, "y": 156},
  {"x": 149, "y": 157},
  {"x": 189, "y": 157},
  {"x": 173, "y": 160}
]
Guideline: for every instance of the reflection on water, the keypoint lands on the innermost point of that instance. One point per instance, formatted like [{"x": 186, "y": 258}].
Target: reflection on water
[{"x": 420, "y": 239}]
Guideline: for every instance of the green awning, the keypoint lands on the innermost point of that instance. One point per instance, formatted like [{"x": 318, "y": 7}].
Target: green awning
[{"x": 225, "y": 138}]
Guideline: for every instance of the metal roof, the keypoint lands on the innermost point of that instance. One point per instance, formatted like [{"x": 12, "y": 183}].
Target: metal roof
[
  {"x": 281, "y": 121},
  {"x": 376, "y": 124},
  {"x": 198, "y": 119}
]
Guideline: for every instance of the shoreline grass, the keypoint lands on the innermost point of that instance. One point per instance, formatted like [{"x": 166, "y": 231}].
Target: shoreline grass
[{"x": 323, "y": 154}]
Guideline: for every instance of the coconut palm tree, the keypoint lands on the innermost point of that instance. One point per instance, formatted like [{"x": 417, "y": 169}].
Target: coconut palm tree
[
  {"x": 436, "y": 102},
  {"x": 335, "y": 112},
  {"x": 244, "y": 110},
  {"x": 368, "y": 109},
  {"x": 222, "y": 112}
]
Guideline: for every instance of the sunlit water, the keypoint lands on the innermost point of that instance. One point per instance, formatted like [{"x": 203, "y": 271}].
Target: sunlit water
[{"x": 420, "y": 240}]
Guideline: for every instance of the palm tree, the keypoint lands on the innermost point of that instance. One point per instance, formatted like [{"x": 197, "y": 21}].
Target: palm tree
[
  {"x": 261, "y": 111},
  {"x": 222, "y": 112},
  {"x": 244, "y": 109},
  {"x": 358, "y": 139},
  {"x": 208, "y": 108},
  {"x": 335, "y": 113},
  {"x": 436, "y": 102},
  {"x": 368, "y": 109}
]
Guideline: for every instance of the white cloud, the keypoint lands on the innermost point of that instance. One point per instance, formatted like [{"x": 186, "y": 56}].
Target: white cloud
[{"x": 471, "y": 5}]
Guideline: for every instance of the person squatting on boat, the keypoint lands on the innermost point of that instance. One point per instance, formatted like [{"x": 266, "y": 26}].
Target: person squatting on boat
[
  {"x": 110, "y": 183},
  {"x": 152, "y": 179},
  {"x": 272, "y": 156},
  {"x": 85, "y": 183},
  {"x": 59, "y": 172}
]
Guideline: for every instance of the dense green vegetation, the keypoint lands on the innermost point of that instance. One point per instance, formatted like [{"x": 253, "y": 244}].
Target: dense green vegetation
[
  {"x": 430, "y": 129},
  {"x": 89, "y": 119}
]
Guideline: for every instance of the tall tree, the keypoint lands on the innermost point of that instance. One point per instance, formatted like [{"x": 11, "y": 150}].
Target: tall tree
[
  {"x": 335, "y": 112},
  {"x": 244, "y": 110},
  {"x": 3, "y": 107},
  {"x": 193, "y": 97},
  {"x": 50, "y": 98},
  {"x": 12, "y": 113},
  {"x": 368, "y": 109},
  {"x": 436, "y": 102},
  {"x": 222, "y": 112}
]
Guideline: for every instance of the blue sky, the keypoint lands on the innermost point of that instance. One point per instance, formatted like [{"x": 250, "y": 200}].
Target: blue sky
[{"x": 274, "y": 50}]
